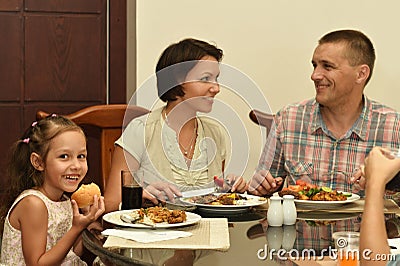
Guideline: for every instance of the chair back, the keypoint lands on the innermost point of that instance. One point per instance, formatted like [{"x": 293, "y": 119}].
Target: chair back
[
  {"x": 110, "y": 120},
  {"x": 262, "y": 119}
]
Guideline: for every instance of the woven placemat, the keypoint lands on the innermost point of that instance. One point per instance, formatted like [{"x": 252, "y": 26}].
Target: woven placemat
[{"x": 208, "y": 234}]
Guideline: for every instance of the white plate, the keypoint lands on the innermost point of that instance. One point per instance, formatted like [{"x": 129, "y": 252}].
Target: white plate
[
  {"x": 114, "y": 218},
  {"x": 323, "y": 205},
  {"x": 251, "y": 201}
]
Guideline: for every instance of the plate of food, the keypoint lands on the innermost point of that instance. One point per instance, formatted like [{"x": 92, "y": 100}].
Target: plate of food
[
  {"x": 314, "y": 197},
  {"x": 226, "y": 202},
  {"x": 152, "y": 217}
]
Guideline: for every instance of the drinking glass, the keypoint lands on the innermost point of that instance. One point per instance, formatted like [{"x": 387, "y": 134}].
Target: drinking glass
[
  {"x": 132, "y": 192},
  {"x": 347, "y": 247}
]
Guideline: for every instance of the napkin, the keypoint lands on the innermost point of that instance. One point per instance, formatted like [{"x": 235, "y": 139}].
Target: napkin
[
  {"x": 394, "y": 244},
  {"x": 146, "y": 236}
]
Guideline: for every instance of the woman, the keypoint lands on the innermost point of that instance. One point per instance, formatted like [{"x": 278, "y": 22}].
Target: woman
[{"x": 173, "y": 145}]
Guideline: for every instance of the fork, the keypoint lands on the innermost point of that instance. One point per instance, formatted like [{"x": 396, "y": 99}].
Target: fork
[
  {"x": 134, "y": 220},
  {"x": 305, "y": 178},
  {"x": 224, "y": 185}
]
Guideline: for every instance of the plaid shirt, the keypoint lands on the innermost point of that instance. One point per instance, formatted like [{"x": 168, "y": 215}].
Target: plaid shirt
[{"x": 305, "y": 149}]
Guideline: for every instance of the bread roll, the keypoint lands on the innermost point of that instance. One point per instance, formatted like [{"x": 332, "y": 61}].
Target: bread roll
[{"x": 84, "y": 195}]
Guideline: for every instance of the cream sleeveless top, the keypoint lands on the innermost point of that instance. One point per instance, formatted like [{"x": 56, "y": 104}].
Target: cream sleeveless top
[
  {"x": 59, "y": 222},
  {"x": 155, "y": 147}
]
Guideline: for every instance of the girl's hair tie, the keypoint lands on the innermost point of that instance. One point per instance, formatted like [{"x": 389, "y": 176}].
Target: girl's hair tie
[
  {"x": 26, "y": 140},
  {"x": 34, "y": 123}
]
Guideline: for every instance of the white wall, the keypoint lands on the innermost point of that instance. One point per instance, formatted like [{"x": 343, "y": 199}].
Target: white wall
[{"x": 271, "y": 41}]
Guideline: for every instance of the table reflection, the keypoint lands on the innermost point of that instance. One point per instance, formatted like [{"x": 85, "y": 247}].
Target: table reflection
[
  {"x": 311, "y": 235},
  {"x": 251, "y": 241},
  {"x": 246, "y": 216},
  {"x": 309, "y": 230}
]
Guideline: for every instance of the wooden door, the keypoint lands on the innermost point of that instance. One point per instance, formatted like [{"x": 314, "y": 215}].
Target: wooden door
[{"x": 53, "y": 57}]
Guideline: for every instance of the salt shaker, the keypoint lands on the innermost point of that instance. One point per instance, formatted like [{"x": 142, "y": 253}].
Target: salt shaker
[
  {"x": 275, "y": 211},
  {"x": 289, "y": 210},
  {"x": 274, "y": 237}
]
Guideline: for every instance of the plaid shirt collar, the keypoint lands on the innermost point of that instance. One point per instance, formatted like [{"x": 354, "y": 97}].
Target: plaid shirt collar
[{"x": 360, "y": 127}]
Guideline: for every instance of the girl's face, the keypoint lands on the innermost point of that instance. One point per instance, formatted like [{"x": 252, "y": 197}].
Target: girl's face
[
  {"x": 201, "y": 85},
  {"x": 66, "y": 164}
]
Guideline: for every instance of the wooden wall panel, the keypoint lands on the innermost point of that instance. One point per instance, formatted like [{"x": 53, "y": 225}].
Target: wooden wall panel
[
  {"x": 10, "y": 57},
  {"x": 53, "y": 58},
  {"x": 64, "y": 58},
  {"x": 76, "y": 6},
  {"x": 10, "y": 5},
  {"x": 56, "y": 108},
  {"x": 11, "y": 131},
  {"x": 117, "y": 51}
]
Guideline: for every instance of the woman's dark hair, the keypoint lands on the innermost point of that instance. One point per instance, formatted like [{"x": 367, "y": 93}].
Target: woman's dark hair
[
  {"x": 170, "y": 74},
  {"x": 20, "y": 171}
]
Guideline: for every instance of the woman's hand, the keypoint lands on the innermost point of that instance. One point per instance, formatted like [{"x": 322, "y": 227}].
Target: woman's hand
[{"x": 161, "y": 191}]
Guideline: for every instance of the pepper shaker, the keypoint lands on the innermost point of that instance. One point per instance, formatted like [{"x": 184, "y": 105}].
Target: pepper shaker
[
  {"x": 289, "y": 237},
  {"x": 275, "y": 211},
  {"x": 289, "y": 210}
]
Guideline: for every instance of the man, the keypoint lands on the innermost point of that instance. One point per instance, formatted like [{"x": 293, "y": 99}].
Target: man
[{"x": 325, "y": 140}]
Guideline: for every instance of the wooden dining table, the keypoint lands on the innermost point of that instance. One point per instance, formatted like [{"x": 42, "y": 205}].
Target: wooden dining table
[{"x": 250, "y": 239}]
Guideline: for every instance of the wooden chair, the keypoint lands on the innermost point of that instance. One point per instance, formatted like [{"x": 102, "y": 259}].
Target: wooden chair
[
  {"x": 109, "y": 119},
  {"x": 262, "y": 119}
]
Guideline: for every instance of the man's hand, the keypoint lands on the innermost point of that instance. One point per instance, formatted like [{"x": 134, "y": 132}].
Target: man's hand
[
  {"x": 358, "y": 179},
  {"x": 263, "y": 183}
]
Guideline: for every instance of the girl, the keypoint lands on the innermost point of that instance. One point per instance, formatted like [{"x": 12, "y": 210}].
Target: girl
[
  {"x": 380, "y": 167},
  {"x": 41, "y": 225}
]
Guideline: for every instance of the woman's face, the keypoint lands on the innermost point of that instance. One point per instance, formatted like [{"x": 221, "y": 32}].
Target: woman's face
[{"x": 201, "y": 85}]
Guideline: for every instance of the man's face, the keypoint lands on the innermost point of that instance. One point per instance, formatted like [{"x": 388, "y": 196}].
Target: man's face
[{"x": 333, "y": 76}]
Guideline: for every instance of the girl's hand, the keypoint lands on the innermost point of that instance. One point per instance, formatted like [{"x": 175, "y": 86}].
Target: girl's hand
[
  {"x": 85, "y": 210},
  {"x": 380, "y": 167},
  {"x": 83, "y": 220}
]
